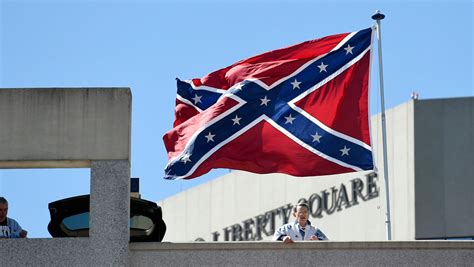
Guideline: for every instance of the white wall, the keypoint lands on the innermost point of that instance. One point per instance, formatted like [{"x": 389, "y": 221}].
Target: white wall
[{"x": 401, "y": 174}]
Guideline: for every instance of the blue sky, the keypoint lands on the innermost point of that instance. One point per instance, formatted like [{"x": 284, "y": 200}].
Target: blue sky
[{"x": 145, "y": 45}]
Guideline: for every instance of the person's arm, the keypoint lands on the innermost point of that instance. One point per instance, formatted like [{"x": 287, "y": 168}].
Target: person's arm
[
  {"x": 16, "y": 230},
  {"x": 320, "y": 235},
  {"x": 280, "y": 238},
  {"x": 281, "y": 234}
]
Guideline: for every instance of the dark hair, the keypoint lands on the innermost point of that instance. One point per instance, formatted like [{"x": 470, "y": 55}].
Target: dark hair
[
  {"x": 3, "y": 200},
  {"x": 301, "y": 204}
]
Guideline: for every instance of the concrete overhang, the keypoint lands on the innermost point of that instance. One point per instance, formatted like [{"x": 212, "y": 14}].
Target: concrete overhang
[{"x": 64, "y": 127}]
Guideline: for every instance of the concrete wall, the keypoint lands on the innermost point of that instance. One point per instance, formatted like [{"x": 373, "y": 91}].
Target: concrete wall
[
  {"x": 238, "y": 196},
  {"x": 64, "y": 127},
  {"x": 444, "y": 143},
  {"x": 304, "y": 254},
  {"x": 79, "y": 252}
]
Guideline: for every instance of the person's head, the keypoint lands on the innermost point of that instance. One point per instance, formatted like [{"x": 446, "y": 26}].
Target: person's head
[
  {"x": 301, "y": 213},
  {"x": 3, "y": 209}
]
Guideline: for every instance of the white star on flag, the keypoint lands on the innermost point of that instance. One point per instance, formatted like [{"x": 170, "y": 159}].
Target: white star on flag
[
  {"x": 236, "y": 120},
  {"x": 265, "y": 101},
  {"x": 348, "y": 49},
  {"x": 210, "y": 137},
  {"x": 322, "y": 67},
  {"x": 186, "y": 158},
  {"x": 196, "y": 99},
  {"x": 345, "y": 151},
  {"x": 316, "y": 137},
  {"x": 296, "y": 84},
  {"x": 289, "y": 119}
]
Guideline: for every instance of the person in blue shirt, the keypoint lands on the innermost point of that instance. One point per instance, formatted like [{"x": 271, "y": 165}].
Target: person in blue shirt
[
  {"x": 9, "y": 228},
  {"x": 299, "y": 230}
]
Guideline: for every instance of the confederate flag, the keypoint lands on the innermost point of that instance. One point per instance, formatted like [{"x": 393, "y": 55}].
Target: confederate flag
[{"x": 300, "y": 110}]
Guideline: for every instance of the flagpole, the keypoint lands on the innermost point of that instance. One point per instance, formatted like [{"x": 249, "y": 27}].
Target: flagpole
[{"x": 378, "y": 16}]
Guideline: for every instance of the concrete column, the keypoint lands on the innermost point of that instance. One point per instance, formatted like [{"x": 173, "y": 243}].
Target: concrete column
[{"x": 110, "y": 211}]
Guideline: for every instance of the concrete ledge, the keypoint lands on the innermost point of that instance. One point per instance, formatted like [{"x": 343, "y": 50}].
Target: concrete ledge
[
  {"x": 423, "y": 253},
  {"x": 243, "y": 245},
  {"x": 79, "y": 251},
  {"x": 46, "y": 252}
]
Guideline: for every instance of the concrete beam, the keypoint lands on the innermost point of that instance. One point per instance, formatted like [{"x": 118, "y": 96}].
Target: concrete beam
[{"x": 63, "y": 127}]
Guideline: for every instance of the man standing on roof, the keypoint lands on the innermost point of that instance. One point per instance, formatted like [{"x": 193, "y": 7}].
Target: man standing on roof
[{"x": 301, "y": 229}]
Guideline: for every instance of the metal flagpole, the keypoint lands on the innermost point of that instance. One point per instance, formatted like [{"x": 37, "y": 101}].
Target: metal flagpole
[{"x": 378, "y": 16}]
